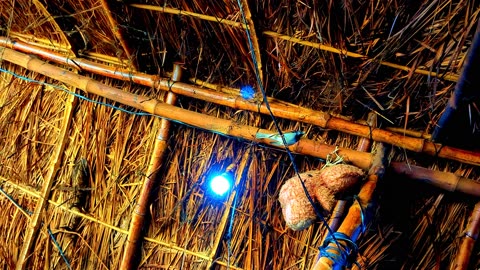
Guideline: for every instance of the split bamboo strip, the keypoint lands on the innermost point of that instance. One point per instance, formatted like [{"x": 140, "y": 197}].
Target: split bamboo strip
[
  {"x": 222, "y": 126},
  {"x": 354, "y": 221},
  {"x": 448, "y": 77},
  {"x": 175, "y": 11},
  {"x": 138, "y": 223},
  {"x": 465, "y": 90},
  {"x": 471, "y": 235},
  {"x": 119, "y": 34},
  {"x": 54, "y": 24},
  {"x": 56, "y": 159},
  {"x": 254, "y": 38},
  {"x": 27, "y": 190},
  {"x": 241, "y": 169},
  {"x": 279, "y": 108}
]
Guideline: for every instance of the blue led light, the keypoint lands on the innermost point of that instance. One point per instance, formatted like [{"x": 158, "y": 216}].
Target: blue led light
[{"x": 220, "y": 184}]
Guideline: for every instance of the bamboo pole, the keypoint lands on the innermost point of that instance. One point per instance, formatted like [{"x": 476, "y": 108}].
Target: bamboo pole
[
  {"x": 449, "y": 77},
  {"x": 56, "y": 159},
  {"x": 339, "y": 210},
  {"x": 354, "y": 220},
  {"x": 61, "y": 205},
  {"x": 279, "y": 108},
  {"x": 227, "y": 127},
  {"x": 465, "y": 90},
  {"x": 138, "y": 222},
  {"x": 468, "y": 242},
  {"x": 446, "y": 181},
  {"x": 118, "y": 33}
]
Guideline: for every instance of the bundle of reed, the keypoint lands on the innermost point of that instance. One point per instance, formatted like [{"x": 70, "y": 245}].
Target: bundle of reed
[
  {"x": 279, "y": 108},
  {"x": 217, "y": 125}
]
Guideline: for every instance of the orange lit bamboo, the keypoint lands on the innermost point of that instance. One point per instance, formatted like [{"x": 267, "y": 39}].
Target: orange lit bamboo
[
  {"x": 138, "y": 224},
  {"x": 353, "y": 222},
  {"x": 222, "y": 126},
  {"x": 339, "y": 210},
  {"x": 471, "y": 235},
  {"x": 279, "y": 108}
]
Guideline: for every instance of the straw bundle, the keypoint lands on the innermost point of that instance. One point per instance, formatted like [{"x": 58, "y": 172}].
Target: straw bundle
[{"x": 333, "y": 62}]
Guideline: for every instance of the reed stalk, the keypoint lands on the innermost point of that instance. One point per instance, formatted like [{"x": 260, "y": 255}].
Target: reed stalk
[
  {"x": 56, "y": 160},
  {"x": 354, "y": 221},
  {"x": 279, "y": 108},
  {"x": 469, "y": 239},
  {"x": 228, "y": 127},
  {"x": 138, "y": 221}
]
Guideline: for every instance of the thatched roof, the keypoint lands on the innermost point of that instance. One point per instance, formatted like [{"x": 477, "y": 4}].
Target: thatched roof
[{"x": 81, "y": 146}]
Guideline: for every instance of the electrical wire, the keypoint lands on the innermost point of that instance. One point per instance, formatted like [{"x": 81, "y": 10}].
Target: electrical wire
[{"x": 267, "y": 105}]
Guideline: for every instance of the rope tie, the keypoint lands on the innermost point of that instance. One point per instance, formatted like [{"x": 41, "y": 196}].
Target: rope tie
[{"x": 343, "y": 253}]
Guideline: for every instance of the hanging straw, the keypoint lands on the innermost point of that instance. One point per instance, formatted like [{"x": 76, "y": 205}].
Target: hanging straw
[{"x": 279, "y": 108}]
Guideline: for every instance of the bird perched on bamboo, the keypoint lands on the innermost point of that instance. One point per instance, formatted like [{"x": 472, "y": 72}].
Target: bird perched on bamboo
[{"x": 275, "y": 139}]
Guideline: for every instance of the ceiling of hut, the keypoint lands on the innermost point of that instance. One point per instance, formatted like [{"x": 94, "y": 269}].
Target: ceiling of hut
[{"x": 82, "y": 153}]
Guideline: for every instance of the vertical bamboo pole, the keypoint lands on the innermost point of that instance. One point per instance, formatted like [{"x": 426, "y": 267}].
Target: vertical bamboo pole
[
  {"x": 224, "y": 221},
  {"x": 471, "y": 235},
  {"x": 119, "y": 35},
  {"x": 465, "y": 89},
  {"x": 42, "y": 203},
  {"x": 137, "y": 224},
  {"x": 337, "y": 213},
  {"x": 353, "y": 221}
]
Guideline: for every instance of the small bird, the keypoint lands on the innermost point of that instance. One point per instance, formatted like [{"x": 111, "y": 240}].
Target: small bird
[
  {"x": 291, "y": 137},
  {"x": 247, "y": 92}
]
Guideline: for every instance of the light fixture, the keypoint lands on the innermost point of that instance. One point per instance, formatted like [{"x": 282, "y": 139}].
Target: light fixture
[{"x": 221, "y": 184}]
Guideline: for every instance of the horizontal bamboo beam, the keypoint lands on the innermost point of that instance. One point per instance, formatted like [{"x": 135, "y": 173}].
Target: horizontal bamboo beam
[
  {"x": 279, "y": 108},
  {"x": 220, "y": 126}
]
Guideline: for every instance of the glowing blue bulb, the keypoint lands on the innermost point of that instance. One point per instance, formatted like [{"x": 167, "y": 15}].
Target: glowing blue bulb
[{"x": 220, "y": 185}]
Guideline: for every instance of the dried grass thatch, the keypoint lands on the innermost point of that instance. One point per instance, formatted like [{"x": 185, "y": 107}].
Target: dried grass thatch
[{"x": 398, "y": 59}]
